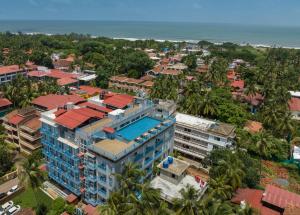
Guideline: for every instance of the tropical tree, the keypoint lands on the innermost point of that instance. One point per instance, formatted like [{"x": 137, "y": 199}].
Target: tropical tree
[{"x": 188, "y": 202}]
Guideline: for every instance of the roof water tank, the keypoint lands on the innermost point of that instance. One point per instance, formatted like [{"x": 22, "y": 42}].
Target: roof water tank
[
  {"x": 165, "y": 164},
  {"x": 170, "y": 160}
]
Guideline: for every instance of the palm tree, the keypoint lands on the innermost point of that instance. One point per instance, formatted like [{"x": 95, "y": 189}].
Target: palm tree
[
  {"x": 188, "y": 202},
  {"x": 286, "y": 126},
  {"x": 30, "y": 176},
  {"x": 219, "y": 189},
  {"x": 115, "y": 204},
  {"x": 262, "y": 145},
  {"x": 208, "y": 106}
]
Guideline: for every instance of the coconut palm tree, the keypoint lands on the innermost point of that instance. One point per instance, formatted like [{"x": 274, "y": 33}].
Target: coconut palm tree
[
  {"x": 130, "y": 179},
  {"x": 115, "y": 204},
  {"x": 208, "y": 106},
  {"x": 219, "y": 189},
  {"x": 188, "y": 202},
  {"x": 30, "y": 176},
  {"x": 262, "y": 145}
]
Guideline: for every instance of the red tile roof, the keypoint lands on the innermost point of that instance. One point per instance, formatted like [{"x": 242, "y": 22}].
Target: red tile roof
[
  {"x": 119, "y": 100},
  {"x": 71, "y": 198},
  {"x": 109, "y": 130},
  {"x": 4, "y": 102},
  {"x": 66, "y": 81},
  {"x": 91, "y": 90},
  {"x": 253, "y": 126},
  {"x": 238, "y": 84},
  {"x": 53, "y": 101},
  {"x": 36, "y": 73},
  {"x": 280, "y": 198},
  {"x": 95, "y": 107},
  {"x": 9, "y": 69},
  {"x": 253, "y": 198},
  {"x": 56, "y": 73},
  {"x": 294, "y": 104},
  {"x": 90, "y": 210},
  {"x": 16, "y": 119},
  {"x": 76, "y": 117}
]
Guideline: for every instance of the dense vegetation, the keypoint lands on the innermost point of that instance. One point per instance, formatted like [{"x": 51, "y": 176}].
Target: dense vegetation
[{"x": 270, "y": 72}]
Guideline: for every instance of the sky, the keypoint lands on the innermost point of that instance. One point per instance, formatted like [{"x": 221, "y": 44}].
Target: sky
[{"x": 263, "y": 12}]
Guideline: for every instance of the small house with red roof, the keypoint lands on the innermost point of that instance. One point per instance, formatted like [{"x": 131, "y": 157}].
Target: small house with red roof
[
  {"x": 272, "y": 201},
  {"x": 294, "y": 106}
]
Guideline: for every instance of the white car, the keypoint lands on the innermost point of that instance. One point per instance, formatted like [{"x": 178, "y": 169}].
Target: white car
[
  {"x": 5, "y": 207},
  {"x": 12, "y": 190},
  {"x": 13, "y": 210}
]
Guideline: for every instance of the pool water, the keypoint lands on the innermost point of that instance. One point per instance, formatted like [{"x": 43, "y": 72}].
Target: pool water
[{"x": 137, "y": 128}]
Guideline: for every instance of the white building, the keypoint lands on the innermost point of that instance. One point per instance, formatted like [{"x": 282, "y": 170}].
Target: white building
[
  {"x": 173, "y": 177},
  {"x": 196, "y": 137}
]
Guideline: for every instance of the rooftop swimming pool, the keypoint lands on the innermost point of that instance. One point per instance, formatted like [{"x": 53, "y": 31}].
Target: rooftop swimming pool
[{"x": 137, "y": 128}]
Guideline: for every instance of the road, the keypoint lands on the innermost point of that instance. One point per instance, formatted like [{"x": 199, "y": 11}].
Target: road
[{"x": 7, "y": 185}]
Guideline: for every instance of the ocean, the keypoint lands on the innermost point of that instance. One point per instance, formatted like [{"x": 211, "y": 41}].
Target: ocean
[{"x": 173, "y": 31}]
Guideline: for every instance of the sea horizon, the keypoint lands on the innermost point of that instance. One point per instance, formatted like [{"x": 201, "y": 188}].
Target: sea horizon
[{"x": 250, "y": 34}]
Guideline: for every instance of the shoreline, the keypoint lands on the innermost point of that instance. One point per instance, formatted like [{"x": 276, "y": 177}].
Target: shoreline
[{"x": 258, "y": 45}]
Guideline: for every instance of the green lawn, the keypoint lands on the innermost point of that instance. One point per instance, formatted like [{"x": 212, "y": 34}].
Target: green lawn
[{"x": 27, "y": 199}]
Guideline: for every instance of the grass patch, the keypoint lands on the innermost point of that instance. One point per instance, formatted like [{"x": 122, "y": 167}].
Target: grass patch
[{"x": 27, "y": 199}]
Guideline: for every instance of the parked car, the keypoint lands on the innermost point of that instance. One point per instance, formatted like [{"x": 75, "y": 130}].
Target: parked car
[
  {"x": 12, "y": 190},
  {"x": 13, "y": 210},
  {"x": 2, "y": 195},
  {"x": 6, "y": 206}
]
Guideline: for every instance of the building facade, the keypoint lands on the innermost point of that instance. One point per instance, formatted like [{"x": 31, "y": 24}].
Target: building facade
[
  {"x": 22, "y": 128},
  {"x": 196, "y": 137},
  {"x": 84, "y": 147},
  {"x": 8, "y": 73}
]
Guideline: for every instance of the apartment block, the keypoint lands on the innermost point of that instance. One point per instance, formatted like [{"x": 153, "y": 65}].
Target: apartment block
[
  {"x": 22, "y": 129},
  {"x": 8, "y": 73},
  {"x": 85, "y": 146},
  {"x": 196, "y": 137}
]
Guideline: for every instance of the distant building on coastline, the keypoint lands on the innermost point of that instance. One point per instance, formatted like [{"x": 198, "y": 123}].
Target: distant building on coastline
[{"x": 196, "y": 137}]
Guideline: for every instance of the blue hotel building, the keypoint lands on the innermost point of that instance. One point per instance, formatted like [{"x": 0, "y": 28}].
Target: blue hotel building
[{"x": 84, "y": 145}]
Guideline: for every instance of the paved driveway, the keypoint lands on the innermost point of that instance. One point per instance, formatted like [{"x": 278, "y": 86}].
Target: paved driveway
[{"x": 7, "y": 185}]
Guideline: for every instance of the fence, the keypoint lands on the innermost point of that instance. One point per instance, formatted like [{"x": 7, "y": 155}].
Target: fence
[{"x": 8, "y": 176}]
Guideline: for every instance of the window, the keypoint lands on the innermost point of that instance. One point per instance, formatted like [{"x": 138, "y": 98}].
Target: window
[
  {"x": 187, "y": 129},
  {"x": 217, "y": 138},
  {"x": 173, "y": 176}
]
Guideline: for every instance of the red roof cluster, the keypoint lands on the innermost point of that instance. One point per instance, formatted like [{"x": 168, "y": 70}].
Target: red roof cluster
[
  {"x": 4, "y": 102},
  {"x": 63, "y": 78},
  {"x": 119, "y": 100},
  {"x": 280, "y": 198},
  {"x": 52, "y": 101},
  {"x": 9, "y": 69},
  {"x": 294, "y": 104},
  {"x": 75, "y": 117}
]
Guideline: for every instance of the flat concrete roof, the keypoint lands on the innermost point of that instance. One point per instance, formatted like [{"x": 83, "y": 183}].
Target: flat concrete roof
[
  {"x": 177, "y": 167},
  {"x": 113, "y": 146}
]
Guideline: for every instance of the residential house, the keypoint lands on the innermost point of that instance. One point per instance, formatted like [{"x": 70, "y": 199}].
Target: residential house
[
  {"x": 8, "y": 73},
  {"x": 173, "y": 177}
]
